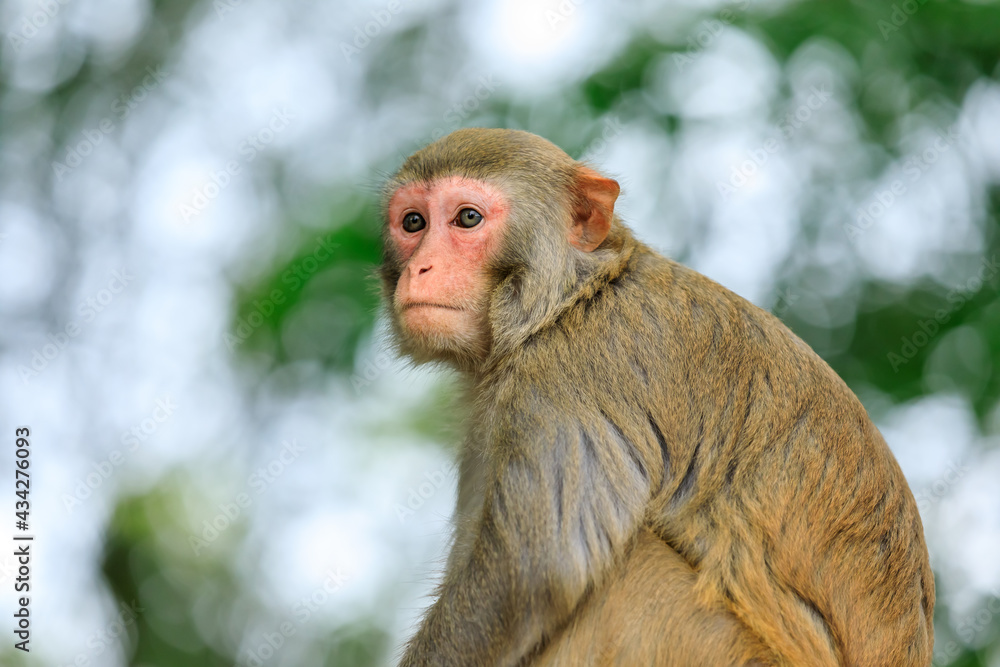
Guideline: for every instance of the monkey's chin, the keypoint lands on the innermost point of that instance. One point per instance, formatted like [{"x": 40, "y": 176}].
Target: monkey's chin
[{"x": 435, "y": 333}]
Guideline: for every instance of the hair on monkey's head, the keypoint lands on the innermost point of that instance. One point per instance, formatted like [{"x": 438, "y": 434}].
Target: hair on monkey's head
[{"x": 488, "y": 154}]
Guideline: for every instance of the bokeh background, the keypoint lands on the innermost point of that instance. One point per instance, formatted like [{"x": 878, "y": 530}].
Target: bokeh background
[{"x": 229, "y": 466}]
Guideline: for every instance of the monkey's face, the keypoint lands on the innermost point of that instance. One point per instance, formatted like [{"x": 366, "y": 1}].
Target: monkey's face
[{"x": 443, "y": 233}]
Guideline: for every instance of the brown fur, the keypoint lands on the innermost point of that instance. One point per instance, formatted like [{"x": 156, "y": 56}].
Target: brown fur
[
  {"x": 624, "y": 396},
  {"x": 648, "y": 615}
]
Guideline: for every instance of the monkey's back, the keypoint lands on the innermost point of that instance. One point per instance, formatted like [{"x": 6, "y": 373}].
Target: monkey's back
[{"x": 779, "y": 490}]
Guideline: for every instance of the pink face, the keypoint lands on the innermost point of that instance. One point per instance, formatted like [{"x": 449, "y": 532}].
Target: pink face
[{"x": 445, "y": 231}]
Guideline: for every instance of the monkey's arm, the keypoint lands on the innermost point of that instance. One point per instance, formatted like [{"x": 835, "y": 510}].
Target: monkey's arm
[{"x": 562, "y": 501}]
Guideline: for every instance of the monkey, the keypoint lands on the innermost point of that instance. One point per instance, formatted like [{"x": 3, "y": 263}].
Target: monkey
[{"x": 655, "y": 471}]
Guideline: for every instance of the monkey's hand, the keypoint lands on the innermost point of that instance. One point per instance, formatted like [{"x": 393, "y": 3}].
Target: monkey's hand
[{"x": 562, "y": 502}]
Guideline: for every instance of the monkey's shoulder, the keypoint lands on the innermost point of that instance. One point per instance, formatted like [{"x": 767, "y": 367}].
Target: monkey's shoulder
[{"x": 692, "y": 306}]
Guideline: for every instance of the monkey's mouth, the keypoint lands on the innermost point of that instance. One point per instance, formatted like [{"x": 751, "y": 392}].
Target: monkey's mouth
[{"x": 425, "y": 304}]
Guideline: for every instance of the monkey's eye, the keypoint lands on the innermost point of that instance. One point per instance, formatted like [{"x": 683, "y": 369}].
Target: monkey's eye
[
  {"x": 413, "y": 222},
  {"x": 469, "y": 217}
]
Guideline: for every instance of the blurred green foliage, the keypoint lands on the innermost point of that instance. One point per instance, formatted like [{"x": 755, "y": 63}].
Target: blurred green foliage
[
  {"x": 937, "y": 54},
  {"x": 335, "y": 267}
]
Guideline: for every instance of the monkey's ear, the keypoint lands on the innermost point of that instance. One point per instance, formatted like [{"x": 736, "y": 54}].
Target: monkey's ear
[{"x": 593, "y": 208}]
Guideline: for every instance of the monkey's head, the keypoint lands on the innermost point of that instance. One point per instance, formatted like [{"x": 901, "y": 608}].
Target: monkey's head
[{"x": 486, "y": 233}]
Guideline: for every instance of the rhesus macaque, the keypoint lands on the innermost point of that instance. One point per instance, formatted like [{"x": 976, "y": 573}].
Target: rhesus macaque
[{"x": 657, "y": 472}]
